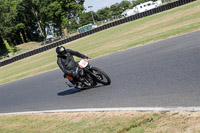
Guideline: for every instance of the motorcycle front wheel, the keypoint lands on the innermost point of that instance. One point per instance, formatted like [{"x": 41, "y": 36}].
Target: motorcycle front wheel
[{"x": 101, "y": 76}]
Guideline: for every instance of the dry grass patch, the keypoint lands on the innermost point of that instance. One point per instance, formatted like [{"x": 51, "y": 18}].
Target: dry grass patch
[
  {"x": 106, "y": 122},
  {"x": 29, "y": 45}
]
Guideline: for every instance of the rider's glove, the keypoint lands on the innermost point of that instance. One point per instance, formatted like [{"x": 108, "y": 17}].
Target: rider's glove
[{"x": 86, "y": 57}]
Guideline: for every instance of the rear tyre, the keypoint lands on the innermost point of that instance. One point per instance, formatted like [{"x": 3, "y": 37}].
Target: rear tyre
[{"x": 101, "y": 76}]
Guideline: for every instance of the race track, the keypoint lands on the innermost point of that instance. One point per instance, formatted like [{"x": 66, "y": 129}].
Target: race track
[{"x": 161, "y": 74}]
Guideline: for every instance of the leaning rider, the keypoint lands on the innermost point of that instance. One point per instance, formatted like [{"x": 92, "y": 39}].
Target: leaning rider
[{"x": 66, "y": 62}]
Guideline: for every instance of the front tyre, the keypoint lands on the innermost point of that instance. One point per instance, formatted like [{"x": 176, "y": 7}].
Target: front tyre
[{"x": 101, "y": 76}]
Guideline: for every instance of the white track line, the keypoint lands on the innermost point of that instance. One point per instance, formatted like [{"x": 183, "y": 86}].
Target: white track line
[{"x": 142, "y": 109}]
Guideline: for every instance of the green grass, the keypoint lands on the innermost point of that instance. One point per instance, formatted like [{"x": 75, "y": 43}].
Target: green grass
[
  {"x": 156, "y": 27},
  {"x": 89, "y": 124},
  {"x": 101, "y": 122},
  {"x": 31, "y": 124}
]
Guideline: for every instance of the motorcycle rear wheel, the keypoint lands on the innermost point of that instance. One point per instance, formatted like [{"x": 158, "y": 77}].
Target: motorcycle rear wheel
[{"x": 101, "y": 76}]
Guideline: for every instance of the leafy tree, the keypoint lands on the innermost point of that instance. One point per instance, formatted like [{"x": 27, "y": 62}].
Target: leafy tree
[
  {"x": 115, "y": 10},
  {"x": 104, "y": 13},
  {"x": 73, "y": 25},
  {"x": 69, "y": 9},
  {"x": 42, "y": 12},
  {"x": 124, "y": 5},
  {"x": 7, "y": 22},
  {"x": 32, "y": 20},
  {"x": 28, "y": 23},
  {"x": 86, "y": 18}
]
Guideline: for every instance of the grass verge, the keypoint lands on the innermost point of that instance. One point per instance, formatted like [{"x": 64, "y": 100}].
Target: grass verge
[
  {"x": 170, "y": 23},
  {"x": 102, "y": 122}
]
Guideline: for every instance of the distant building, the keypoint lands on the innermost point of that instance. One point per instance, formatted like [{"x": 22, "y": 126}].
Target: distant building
[
  {"x": 145, "y": 6},
  {"x": 142, "y": 8},
  {"x": 129, "y": 12},
  {"x": 86, "y": 28}
]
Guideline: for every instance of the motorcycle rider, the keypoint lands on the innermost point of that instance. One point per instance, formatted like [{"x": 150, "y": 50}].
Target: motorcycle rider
[{"x": 67, "y": 64}]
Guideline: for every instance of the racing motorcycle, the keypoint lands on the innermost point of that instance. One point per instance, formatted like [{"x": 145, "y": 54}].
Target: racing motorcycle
[{"x": 90, "y": 76}]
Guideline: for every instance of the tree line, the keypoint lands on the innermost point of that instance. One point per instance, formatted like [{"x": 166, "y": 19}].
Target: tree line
[{"x": 23, "y": 21}]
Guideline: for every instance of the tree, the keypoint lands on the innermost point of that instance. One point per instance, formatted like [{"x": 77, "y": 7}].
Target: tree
[
  {"x": 115, "y": 10},
  {"x": 68, "y": 9},
  {"x": 104, "y": 13},
  {"x": 73, "y": 25},
  {"x": 124, "y": 5},
  {"x": 28, "y": 23},
  {"x": 86, "y": 18},
  {"x": 32, "y": 20},
  {"x": 7, "y": 22}
]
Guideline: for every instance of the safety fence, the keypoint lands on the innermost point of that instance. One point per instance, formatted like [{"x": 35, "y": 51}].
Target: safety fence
[{"x": 106, "y": 26}]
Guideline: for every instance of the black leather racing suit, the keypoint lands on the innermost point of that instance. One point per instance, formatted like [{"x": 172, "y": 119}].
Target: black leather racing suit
[{"x": 67, "y": 63}]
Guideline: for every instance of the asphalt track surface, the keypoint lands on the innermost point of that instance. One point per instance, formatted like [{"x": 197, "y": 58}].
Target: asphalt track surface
[{"x": 161, "y": 74}]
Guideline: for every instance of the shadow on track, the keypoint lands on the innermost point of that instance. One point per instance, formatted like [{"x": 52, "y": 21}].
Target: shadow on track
[
  {"x": 69, "y": 92},
  {"x": 74, "y": 91}
]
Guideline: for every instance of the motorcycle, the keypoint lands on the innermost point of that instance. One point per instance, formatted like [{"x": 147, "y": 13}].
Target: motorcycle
[{"x": 89, "y": 76}]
